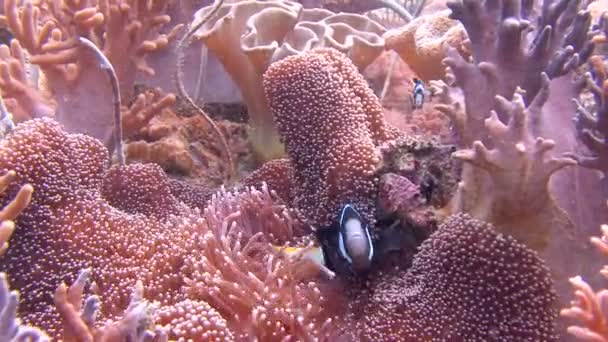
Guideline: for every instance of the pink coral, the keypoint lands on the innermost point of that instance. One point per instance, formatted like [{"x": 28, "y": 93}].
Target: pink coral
[
  {"x": 140, "y": 189},
  {"x": 70, "y": 226},
  {"x": 467, "y": 283},
  {"x": 330, "y": 122}
]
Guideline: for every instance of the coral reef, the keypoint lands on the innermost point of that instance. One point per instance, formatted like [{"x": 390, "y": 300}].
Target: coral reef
[
  {"x": 216, "y": 224},
  {"x": 247, "y": 36},
  {"x": 125, "y": 31},
  {"x": 70, "y": 226},
  {"x": 479, "y": 286},
  {"x": 347, "y": 128}
]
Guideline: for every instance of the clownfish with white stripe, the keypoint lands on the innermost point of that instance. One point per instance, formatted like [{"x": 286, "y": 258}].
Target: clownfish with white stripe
[{"x": 346, "y": 246}]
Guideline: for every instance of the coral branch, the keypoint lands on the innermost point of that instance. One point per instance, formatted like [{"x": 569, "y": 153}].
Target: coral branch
[
  {"x": 13, "y": 208},
  {"x": 505, "y": 59},
  {"x": 79, "y": 321},
  {"x": 512, "y": 190},
  {"x": 592, "y": 124},
  {"x": 589, "y": 307},
  {"x": 24, "y": 99},
  {"x": 11, "y": 329}
]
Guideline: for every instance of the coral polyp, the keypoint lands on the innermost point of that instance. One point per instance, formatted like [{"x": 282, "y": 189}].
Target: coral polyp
[{"x": 272, "y": 193}]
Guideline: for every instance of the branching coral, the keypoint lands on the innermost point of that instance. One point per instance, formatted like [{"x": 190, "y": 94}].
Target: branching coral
[
  {"x": 593, "y": 124},
  {"x": 589, "y": 307},
  {"x": 11, "y": 329},
  {"x": 248, "y": 35},
  {"x": 182, "y": 145},
  {"x": 79, "y": 322},
  {"x": 467, "y": 283},
  {"x": 24, "y": 99},
  {"x": 126, "y": 31},
  {"x": 508, "y": 184},
  {"x": 331, "y": 123},
  {"x": 13, "y": 208},
  {"x": 509, "y": 53}
]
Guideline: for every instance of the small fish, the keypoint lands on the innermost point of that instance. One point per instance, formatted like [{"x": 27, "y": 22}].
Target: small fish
[
  {"x": 314, "y": 254},
  {"x": 418, "y": 94}
]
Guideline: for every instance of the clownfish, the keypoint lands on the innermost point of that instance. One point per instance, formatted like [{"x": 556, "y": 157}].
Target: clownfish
[
  {"x": 418, "y": 94},
  {"x": 354, "y": 241},
  {"x": 347, "y": 245}
]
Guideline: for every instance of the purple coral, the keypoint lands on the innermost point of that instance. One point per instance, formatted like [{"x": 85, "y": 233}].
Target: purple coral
[{"x": 510, "y": 52}]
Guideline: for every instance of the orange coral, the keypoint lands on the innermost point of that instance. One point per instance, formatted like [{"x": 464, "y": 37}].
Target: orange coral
[
  {"x": 422, "y": 43},
  {"x": 590, "y": 307},
  {"x": 125, "y": 31},
  {"x": 13, "y": 208}
]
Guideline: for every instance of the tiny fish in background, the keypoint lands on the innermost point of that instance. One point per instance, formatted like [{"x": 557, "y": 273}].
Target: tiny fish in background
[{"x": 418, "y": 94}]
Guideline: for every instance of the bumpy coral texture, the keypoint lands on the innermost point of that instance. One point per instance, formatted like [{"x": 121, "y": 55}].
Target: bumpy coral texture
[
  {"x": 140, "y": 189},
  {"x": 69, "y": 226},
  {"x": 467, "y": 283},
  {"x": 330, "y": 122}
]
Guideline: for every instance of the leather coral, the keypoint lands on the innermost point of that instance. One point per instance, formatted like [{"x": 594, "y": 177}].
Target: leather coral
[{"x": 247, "y": 36}]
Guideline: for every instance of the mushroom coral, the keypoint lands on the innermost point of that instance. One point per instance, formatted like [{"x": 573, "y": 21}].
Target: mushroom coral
[
  {"x": 247, "y": 36},
  {"x": 467, "y": 283},
  {"x": 331, "y": 123},
  {"x": 72, "y": 224},
  {"x": 422, "y": 43}
]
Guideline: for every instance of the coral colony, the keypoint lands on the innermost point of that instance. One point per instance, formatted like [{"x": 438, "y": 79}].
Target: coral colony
[{"x": 315, "y": 170}]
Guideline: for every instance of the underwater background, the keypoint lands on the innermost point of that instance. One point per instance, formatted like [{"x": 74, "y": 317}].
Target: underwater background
[{"x": 314, "y": 170}]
